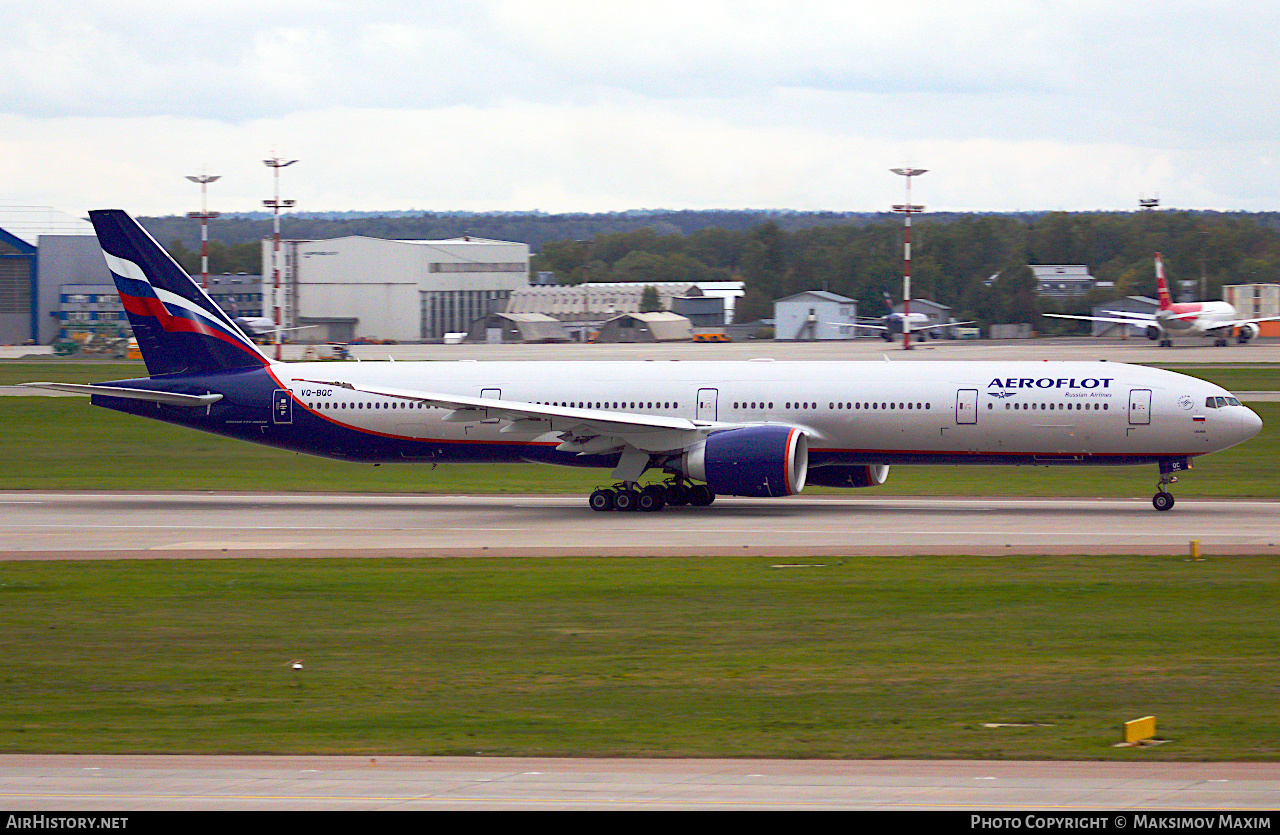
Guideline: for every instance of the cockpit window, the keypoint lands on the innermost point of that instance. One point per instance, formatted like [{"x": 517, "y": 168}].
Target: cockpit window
[
  {"x": 1210, "y": 403},
  {"x": 1233, "y": 401}
]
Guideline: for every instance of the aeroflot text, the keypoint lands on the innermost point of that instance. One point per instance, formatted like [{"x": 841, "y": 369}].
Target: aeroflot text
[{"x": 1051, "y": 383}]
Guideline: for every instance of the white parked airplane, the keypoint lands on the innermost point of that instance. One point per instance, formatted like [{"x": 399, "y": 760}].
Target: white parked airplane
[
  {"x": 1216, "y": 319},
  {"x": 754, "y": 428}
]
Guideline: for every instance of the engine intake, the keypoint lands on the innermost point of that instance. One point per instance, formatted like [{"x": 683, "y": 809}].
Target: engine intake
[{"x": 763, "y": 461}]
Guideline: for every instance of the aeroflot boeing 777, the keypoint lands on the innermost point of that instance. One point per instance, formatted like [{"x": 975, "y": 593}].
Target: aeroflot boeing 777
[{"x": 754, "y": 428}]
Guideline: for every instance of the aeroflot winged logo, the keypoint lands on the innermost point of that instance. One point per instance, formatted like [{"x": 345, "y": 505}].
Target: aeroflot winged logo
[
  {"x": 1048, "y": 383},
  {"x": 178, "y": 327}
]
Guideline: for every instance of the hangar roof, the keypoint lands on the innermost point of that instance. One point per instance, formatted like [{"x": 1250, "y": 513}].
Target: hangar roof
[{"x": 30, "y": 222}]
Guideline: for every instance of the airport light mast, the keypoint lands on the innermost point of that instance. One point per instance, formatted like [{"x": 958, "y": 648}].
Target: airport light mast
[
  {"x": 275, "y": 163},
  {"x": 907, "y": 210},
  {"x": 205, "y": 216}
]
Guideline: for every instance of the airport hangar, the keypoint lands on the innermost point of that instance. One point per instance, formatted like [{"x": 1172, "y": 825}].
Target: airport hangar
[{"x": 425, "y": 291}]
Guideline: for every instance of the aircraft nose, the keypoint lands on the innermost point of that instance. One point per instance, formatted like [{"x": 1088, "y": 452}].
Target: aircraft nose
[{"x": 1250, "y": 424}]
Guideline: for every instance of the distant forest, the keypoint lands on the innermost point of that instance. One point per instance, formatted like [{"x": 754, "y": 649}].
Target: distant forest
[{"x": 976, "y": 263}]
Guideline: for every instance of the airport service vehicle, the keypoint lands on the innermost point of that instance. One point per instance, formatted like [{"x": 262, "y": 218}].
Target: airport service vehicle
[
  {"x": 1216, "y": 319},
  {"x": 750, "y": 428}
]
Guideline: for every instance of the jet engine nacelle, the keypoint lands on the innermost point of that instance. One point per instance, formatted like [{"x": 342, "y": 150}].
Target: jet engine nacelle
[
  {"x": 1153, "y": 332},
  {"x": 751, "y": 461},
  {"x": 1248, "y": 331},
  {"x": 841, "y": 475}
]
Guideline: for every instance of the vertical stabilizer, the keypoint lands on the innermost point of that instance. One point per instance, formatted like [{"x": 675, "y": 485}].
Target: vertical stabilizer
[
  {"x": 1162, "y": 286},
  {"x": 178, "y": 327}
]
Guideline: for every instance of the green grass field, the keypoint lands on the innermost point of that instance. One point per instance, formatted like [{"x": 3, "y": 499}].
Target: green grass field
[{"x": 858, "y": 658}]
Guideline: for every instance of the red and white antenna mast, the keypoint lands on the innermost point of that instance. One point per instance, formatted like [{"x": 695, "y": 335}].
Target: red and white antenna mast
[
  {"x": 276, "y": 204},
  {"x": 205, "y": 216},
  {"x": 908, "y": 209}
]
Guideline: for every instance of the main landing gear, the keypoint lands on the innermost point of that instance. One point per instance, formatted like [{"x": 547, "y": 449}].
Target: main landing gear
[
  {"x": 1163, "y": 499},
  {"x": 628, "y": 495}
]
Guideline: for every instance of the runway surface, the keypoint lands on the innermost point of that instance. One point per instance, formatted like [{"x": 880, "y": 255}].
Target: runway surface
[
  {"x": 57, "y": 526},
  {"x": 220, "y": 525},
  {"x": 92, "y": 782}
]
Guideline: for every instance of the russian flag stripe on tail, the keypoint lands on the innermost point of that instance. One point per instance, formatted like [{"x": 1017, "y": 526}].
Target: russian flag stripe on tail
[{"x": 178, "y": 327}]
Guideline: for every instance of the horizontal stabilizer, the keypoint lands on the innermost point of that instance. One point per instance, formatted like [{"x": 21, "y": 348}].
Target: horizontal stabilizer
[{"x": 169, "y": 397}]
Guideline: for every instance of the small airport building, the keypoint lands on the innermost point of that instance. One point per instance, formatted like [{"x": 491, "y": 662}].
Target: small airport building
[
  {"x": 584, "y": 309},
  {"x": 502, "y": 328},
  {"x": 1065, "y": 280},
  {"x": 406, "y": 291},
  {"x": 1255, "y": 301},
  {"x": 646, "y": 327},
  {"x": 813, "y": 315}
]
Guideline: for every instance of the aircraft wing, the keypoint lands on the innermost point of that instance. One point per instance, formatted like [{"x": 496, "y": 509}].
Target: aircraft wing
[
  {"x": 1133, "y": 314},
  {"x": 581, "y": 430},
  {"x": 169, "y": 397},
  {"x": 856, "y": 325},
  {"x": 1237, "y": 323},
  {"x": 1117, "y": 319}
]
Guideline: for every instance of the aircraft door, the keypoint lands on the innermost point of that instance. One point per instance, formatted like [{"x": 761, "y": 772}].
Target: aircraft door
[
  {"x": 707, "y": 400},
  {"x": 281, "y": 406},
  {"x": 1139, "y": 407},
  {"x": 967, "y": 406},
  {"x": 491, "y": 394}
]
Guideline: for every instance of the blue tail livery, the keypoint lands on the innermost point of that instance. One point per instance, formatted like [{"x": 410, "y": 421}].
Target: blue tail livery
[
  {"x": 741, "y": 428},
  {"x": 178, "y": 327}
]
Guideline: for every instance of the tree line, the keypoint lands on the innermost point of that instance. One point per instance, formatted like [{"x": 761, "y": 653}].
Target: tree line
[{"x": 975, "y": 263}]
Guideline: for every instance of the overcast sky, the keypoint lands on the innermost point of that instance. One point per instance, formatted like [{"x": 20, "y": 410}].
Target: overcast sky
[{"x": 590, "y": 106}]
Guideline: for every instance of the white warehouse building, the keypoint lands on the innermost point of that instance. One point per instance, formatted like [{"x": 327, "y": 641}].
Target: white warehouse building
[{"x": 352, "y": 287}]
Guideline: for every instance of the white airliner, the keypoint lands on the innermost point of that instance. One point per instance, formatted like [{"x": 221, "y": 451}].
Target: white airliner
[
  {"x": 754, "y": 428},
  {"x": 1216, "y": 319}
]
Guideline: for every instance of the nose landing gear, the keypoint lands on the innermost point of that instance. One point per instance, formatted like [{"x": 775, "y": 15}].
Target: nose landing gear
[{"x": 1163, "y": 499}]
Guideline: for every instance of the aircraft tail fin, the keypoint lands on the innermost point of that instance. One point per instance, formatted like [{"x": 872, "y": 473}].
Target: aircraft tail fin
[
  {"x": 178, "y": 327},
  {"x": 1162, "y": 286}
]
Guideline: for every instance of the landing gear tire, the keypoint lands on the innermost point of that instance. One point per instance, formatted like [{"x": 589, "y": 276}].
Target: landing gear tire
[
  {"x": 625, "y": 500},
  {"x": 678, "y": 494},
  {"x": 601, "y": 500},
  {"x": 1166, "y": 343},
  {"x": 1219, "y": 343},
  {"x": 652, "y": 498},
  {"x": 700, "y": 495},
  {"x": 1162, "y": 500}
]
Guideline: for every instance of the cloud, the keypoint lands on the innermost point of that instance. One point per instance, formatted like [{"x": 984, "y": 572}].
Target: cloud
[{"x": 564, "y": 105}]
